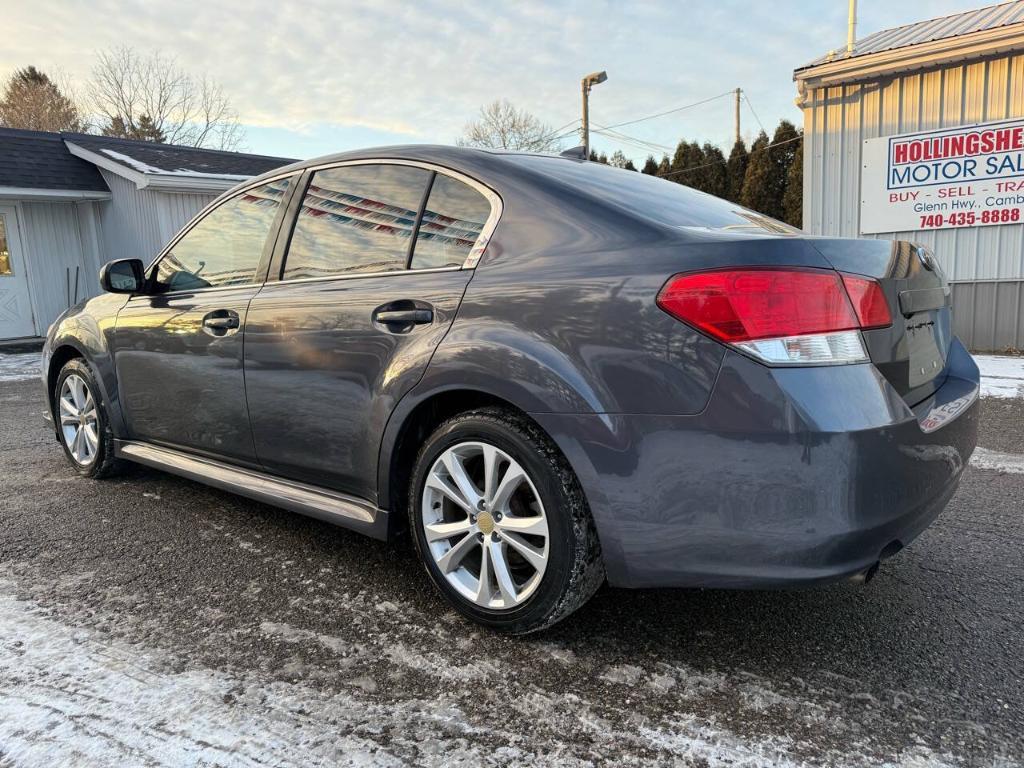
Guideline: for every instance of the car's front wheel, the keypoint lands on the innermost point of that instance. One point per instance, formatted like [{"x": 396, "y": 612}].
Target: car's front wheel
[
  {"x": 501, "y": 523},
  {"x": 82, "y": 421}
]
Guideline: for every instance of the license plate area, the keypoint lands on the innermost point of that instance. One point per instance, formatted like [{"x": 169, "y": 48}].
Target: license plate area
[{"x": 927, "y": 358}]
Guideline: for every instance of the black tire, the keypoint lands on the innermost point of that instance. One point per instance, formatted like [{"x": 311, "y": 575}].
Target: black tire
[
  {"x": 574, "y": 569},
  {"x": 102, "y": 463}
]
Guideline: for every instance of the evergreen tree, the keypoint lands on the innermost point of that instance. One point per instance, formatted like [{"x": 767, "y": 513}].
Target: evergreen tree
[
  {"x": 736, "y": 170},
  {"x": 783, "y": 150},
  {"x": 756, "y": 193},
  {"x": 793, "y": 199},
  {"x": 665, "y": 167},
  {"x": 629, "y": 166},
  {"x": 144, "y": 130},
  {"x": 651, "y": 166},
  {"x": 686, "y": 163},
  {"x": 710, "y": 174},
  {"x": 31, "y": 100}
]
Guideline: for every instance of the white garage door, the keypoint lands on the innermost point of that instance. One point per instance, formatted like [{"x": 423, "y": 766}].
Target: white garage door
[{"x": 15, "y": 307}]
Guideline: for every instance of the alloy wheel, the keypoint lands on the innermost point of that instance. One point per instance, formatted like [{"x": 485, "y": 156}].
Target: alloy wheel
[
  {"x": 79, "y": 419},
  {"x": 485, "y": 525}
]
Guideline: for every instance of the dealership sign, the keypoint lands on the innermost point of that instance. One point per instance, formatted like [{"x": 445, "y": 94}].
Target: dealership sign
[{"x": 970, "y": 176}]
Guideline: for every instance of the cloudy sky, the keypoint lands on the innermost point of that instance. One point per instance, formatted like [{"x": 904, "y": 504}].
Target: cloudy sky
[{"x": 319, "y": 76}]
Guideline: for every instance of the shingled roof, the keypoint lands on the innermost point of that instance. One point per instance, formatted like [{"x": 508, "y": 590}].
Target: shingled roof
[
  {"x": 39, "y": 160},
  {"x": 68, "y": 164}
]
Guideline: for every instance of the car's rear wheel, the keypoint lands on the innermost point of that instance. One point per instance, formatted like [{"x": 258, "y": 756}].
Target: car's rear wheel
[
  {"x": 82, "y": 421},
  {"x": 501, "y": 523}
]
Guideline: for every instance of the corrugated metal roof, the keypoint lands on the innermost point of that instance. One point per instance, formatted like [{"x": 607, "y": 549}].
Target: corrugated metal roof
[{"x": 942, "y": 28}]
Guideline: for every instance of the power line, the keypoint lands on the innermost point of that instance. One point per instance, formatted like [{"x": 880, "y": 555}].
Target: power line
[
  {"x": 551, "y": 135},
  {"x": 749, "y": 104},
  {"x": 670, "y": 111},
  {"x": 632, "y": 140},
  {"x": 623, "y": 142}
]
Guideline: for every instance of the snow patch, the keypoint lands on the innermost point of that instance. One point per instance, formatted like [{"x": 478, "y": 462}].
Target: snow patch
[
  {"x": 290, "y": 634},
  {"x": 1012, "y": 463},
  {"x": 71, "y": 697},
  {"x": 20, "y": 367},
  {"x": 142, "y": 167},
  {"x": 1001, "y": 375}
]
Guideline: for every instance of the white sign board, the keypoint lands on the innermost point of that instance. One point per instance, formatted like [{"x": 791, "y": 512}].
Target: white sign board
[{"x": 971, "y": 176}]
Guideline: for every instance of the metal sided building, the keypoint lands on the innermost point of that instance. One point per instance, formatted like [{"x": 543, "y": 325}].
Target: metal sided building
[{"x": 918, "y": 134}]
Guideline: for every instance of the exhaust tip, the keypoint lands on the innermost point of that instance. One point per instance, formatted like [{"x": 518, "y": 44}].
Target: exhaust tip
[{"x": 866, "y": 575}]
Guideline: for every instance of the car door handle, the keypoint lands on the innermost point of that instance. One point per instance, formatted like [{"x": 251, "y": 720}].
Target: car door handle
[
  {"x": 403, "y": 317},
  {"x": 220, "y": 322}
]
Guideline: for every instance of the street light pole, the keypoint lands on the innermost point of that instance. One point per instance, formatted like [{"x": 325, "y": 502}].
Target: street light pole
[{"x": 588, "y": 82}]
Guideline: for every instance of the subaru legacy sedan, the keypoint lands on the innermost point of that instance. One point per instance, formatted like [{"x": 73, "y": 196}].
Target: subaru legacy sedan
[{"x": 548, "y": 373}]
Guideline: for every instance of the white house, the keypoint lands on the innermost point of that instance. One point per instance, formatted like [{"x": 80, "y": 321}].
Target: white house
[{"x": 71, "y": 202}]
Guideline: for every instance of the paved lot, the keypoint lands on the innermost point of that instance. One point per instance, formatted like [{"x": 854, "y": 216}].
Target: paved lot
[{"x": 151, "y": 621}]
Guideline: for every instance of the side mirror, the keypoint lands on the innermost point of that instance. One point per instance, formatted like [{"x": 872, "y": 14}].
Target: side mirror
[{"x": 123, "y": 276}]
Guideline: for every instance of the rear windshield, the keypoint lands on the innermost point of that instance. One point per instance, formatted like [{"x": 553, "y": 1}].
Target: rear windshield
[{"x": 663, "y": 201}]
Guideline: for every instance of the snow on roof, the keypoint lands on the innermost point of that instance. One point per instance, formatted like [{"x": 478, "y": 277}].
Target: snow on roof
[
  {"x": 153, "y": 159},
  {"x": 142, "y": 167}
]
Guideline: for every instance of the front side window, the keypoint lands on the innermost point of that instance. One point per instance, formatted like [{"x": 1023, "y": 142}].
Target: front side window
[
  {"x": 452, "y": 221},
  {"x": 226, "y": 246},
  {"x": 356, "y": 219}
]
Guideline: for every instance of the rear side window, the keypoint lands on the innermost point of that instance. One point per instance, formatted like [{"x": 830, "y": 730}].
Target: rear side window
[
  {"x": 356, "y": 218},
  {"x": 452, "y": 221},
  {"x": 662, "y": 201},
  {"x": 225, "y": 246}
]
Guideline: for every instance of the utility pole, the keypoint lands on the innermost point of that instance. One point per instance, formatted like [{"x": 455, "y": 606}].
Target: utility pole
[
  {"x": 588, "y": 82},
  {"x": 738, "y": 91}
]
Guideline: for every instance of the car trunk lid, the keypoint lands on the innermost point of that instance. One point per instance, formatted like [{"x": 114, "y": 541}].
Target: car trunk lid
[{"x": 912, "y": 352}]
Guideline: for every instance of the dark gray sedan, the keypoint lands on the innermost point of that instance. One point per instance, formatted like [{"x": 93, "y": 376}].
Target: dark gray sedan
[{"x": 551, "y": 373}]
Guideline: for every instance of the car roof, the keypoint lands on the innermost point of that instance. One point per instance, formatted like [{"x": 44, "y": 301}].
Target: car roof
[{"x": 480, "y": 163}]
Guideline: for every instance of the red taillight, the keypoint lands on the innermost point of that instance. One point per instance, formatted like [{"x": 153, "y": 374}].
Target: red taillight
[
  {"x": 869, "y": 301},
  {"x": 740, "y": 305}
]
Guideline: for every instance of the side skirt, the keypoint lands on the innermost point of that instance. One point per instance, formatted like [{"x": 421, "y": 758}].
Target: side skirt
[{"x": 330, "y": 506}]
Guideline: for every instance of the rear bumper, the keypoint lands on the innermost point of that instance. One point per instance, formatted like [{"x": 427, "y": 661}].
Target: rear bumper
[{"x": 789, "y": 476}]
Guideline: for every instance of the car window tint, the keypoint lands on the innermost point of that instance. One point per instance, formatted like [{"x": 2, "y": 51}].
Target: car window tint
[
  {"x": 357, "y": 218},
  {"x": 225, "y": 247},
  {"x": 664, "y": 201},
  {"x": 452, "y": 221}
]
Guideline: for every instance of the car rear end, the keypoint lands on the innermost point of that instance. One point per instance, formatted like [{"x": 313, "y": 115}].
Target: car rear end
[
  {"x": 839, "y": 419},
  {"x": 843, "y": 416}
]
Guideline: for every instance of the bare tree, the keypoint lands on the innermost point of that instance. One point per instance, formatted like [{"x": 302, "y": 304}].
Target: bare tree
[
  {"x": 619, "y": 160},
  {"x": 34, "y": 101},
  {"x": 151, "y": 97},
  {"x": 502, "y": 126}
]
